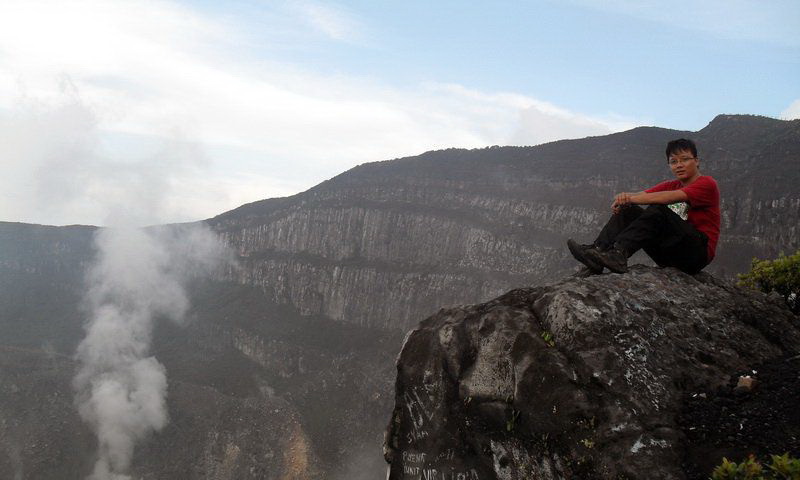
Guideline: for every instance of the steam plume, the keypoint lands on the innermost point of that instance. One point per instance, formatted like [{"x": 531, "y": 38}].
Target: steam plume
[{"x": 138, "y": 277}]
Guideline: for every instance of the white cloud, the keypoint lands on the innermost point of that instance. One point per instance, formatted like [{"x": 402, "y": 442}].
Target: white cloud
[
  {"x": 257, "y": 127},
  {"x": 522, "y": 120},
  {"x": 792, "y": 112},
  {"x": 333, "y": 21},
  {"x": 56, "y": 169}
]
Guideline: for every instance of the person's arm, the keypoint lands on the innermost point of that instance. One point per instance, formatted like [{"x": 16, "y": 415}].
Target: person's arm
[
  {"x": 644, "y": 198},
  {"x": 659, "y": 198}
]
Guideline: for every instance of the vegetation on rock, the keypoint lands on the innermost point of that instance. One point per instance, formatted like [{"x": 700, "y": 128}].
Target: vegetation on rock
[
  {"x": 782, "y": 467},
  {"x": 781, "y": 275}
]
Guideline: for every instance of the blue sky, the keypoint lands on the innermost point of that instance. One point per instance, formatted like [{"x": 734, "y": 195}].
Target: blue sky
[
  {"x": 193, "y": 108},
  {"x": 676, "y": 64}
]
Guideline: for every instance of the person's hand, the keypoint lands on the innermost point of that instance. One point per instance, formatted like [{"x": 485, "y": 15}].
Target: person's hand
[{"x": 621, "y": 200}]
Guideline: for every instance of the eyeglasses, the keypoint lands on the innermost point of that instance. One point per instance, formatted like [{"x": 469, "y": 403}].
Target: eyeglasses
[{"x": 681, "y": 160}]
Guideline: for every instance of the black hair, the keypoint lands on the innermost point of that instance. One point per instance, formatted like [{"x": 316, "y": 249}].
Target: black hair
[{"x": 681, "y": 144}]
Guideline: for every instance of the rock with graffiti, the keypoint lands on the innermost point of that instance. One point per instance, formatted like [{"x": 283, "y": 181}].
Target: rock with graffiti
[{"x": 583, "y": 378}]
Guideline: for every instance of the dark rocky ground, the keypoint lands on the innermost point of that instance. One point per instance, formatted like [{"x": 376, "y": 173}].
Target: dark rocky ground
[
  {"x": 609, "y": 377},
  {"x": 734, "y": 425}
]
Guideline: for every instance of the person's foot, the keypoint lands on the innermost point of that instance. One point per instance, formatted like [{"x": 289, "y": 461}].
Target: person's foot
[
  {"x": 580, "y": 252},
  {"x": 613, "y": 259},
  {"x": 585, "y": 272}
]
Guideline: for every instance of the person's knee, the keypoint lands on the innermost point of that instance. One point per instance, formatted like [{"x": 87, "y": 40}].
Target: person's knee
[
  {"x": 630, "y": 212},
  {"x": 658, "y": 207}
]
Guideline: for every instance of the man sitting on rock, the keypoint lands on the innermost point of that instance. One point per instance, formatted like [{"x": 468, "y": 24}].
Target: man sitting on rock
[{"x": 679, "y": 228}]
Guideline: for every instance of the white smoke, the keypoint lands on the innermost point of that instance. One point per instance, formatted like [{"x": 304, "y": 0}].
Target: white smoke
[
  {"x": 138, "y": 277},
  {"x": 53, "y": 150}
]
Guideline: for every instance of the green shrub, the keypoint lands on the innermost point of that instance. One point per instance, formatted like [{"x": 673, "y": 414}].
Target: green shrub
[
  {"x": 781, "y": 275},
  {"x": 783, "y": 467}
]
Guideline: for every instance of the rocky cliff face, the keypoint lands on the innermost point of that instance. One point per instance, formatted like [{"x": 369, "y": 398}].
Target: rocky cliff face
[
  {"x": 255, "y": 390},
  {"x": 331, "y": 277},
  {"x": 457, "y": 226},
  {"x": 583, "y": 378},
  {"x": 211, "y": 435}
]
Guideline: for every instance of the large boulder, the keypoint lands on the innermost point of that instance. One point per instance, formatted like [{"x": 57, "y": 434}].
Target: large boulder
[{"x": 584, "y": 378}]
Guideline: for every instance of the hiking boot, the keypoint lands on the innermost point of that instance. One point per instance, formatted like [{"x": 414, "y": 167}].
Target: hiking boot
[
  {"x": 580, "y": 252},
  {"x": 614, "y": 259}
]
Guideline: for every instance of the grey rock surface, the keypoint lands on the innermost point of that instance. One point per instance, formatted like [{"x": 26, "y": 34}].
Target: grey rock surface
[{"x": 583, "y": 378}]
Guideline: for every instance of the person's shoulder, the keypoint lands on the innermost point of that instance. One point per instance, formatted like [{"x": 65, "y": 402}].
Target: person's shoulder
[{"x": 706, "y": 181}]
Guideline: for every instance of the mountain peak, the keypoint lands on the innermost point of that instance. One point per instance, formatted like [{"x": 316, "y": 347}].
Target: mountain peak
[{"x": 738, "y": 121}]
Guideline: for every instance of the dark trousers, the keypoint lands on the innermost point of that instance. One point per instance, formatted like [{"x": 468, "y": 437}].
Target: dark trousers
[{"x": 669, "y": 240}]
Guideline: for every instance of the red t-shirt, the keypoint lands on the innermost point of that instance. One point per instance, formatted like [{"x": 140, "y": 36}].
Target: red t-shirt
[{"x": 703, "y": 206}]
